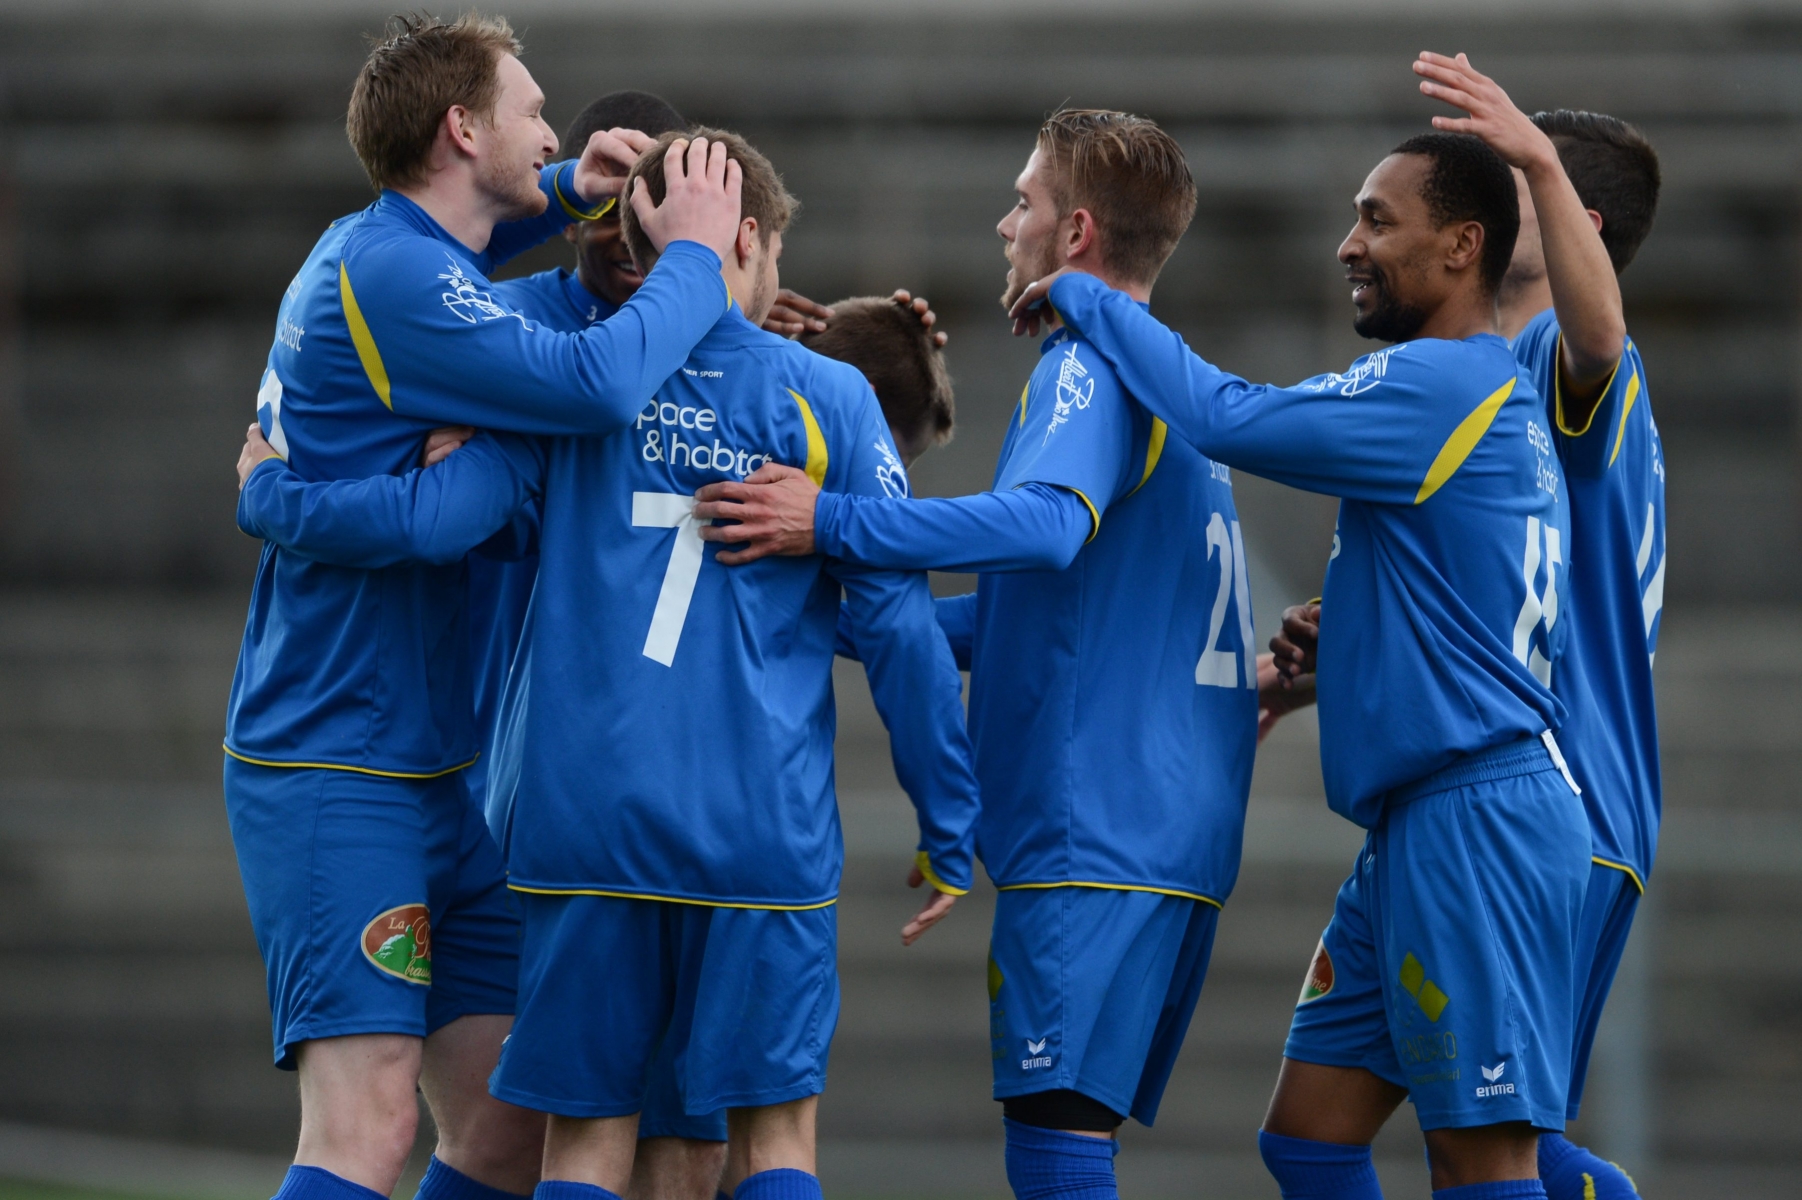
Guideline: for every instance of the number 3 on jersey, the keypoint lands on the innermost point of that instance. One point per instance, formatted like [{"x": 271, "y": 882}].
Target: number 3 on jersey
[
  {"x": 1217, "y": 667},
  {"x": 671, "y": 510}
]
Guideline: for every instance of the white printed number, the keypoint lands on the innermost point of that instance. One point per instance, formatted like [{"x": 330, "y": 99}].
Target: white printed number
[
  {"x": 671, "y": 510},
  {"x": 1217, "y": 667},
  {"x": 1539, "y": 609}
]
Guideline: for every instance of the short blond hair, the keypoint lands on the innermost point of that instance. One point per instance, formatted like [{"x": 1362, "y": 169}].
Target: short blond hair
[{"x": 1130, "y": 175}]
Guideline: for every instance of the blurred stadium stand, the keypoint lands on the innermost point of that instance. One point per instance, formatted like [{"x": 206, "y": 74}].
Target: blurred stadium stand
[{"x": 165, "y": 168}]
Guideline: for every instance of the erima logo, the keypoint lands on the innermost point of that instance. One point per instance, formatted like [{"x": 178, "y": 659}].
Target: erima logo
[
  {"x": 1037, "y": 1047},
  {"x": 1035, "y": 1055},
  {"x": 1492, "y": 1087}
]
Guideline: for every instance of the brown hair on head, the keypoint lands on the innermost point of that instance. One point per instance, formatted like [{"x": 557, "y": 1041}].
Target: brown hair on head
[
  {"x": 415, "y": 72},
  {"x": 897, "y": 355},
  {"x": 762, "y": 196},
  {"x": 1130, "y": 175}
]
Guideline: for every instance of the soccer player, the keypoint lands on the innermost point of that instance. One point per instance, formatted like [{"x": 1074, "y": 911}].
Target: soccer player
[
  {"x": 1447, "y": 972},
  {"x": 688, "y": 907},
  {"x": 376, "y": 894},
  {"x": 1112, "y": 685},
  {"x": 1589, "y": 190}
]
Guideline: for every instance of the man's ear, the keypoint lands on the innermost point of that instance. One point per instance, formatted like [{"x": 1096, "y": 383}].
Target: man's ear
[
  {"x": 1082, "y": 235},
  {"x": 458, "y": 128},
  {"x": 572, "y": 233},
  {"x": 1467, "y": 247},
  {"x": 746, "y": 245},
  {"x": 1595, "y": 218}
]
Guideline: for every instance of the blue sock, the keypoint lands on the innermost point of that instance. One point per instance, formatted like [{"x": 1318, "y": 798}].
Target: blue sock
[
  {"x": 1048, "y": 1164},
  {"x": 784, "y": 1183},
  {"x": 317, "y": 1183},
  {"x": 563, "y": 1189},
  {"x": 1507, "y": 1189},
  {"x": 443, "y": 1182},
  {"x": 1571, "y": 1172},
  {"x": 1310, "y": 1170}
]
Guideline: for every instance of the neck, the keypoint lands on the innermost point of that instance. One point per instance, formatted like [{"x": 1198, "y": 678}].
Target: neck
[
  {"x": 1522, "y": 300},
  {"x": 452, "y": 200},
  {"x": 1463, "y": 315},
  {"x": 1088, "y": 266}
]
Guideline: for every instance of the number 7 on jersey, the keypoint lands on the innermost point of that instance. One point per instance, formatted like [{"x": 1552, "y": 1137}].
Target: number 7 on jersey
[{"x": 671, "y": 510}]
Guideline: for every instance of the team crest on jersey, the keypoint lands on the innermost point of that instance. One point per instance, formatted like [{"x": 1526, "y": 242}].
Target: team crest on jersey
[
  {"x": 1365, "y": 374},
  {"x": 1319, "y": 980},
  {"x": 1075, "y": 389},
  {"x": 399, "y": 943},
  {"x": 471, "y": 303},
  {"x": 891, "y": 474}
]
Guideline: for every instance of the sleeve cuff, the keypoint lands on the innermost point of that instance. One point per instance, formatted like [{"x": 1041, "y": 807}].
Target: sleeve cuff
[
  {"x": 923, "y": 860},
  {"x": 563, "y": 190}
]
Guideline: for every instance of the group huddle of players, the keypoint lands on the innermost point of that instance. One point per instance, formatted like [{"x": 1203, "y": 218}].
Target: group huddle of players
[{"x": 532, "y": 790}]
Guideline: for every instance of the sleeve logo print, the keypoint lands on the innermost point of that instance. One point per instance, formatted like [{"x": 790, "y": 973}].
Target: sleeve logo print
[
  {"x": 470, "y": 303},
  {"x": 891, "y": 474},
  {"x": 1075, "y": 389},
  {"x": 1365, "y": 374}
]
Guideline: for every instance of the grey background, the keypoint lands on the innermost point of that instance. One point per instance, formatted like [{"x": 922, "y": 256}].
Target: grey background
[{"x": 165, "y": 168}]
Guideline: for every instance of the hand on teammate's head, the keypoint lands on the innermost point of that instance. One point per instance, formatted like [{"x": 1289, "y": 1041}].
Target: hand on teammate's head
[
  {"x": 440, "y": 442},
  {"x": 1492, "y": 115},
  {"x": 922, "y": 309},
  {"x": 606, "y": 161},
  {"x": 700, "y": 198},
  {"x": 256, "y": 450},
  {"x": 794, "y": 314}
]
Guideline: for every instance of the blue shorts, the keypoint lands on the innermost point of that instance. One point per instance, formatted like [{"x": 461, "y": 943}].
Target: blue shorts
[
  {"x": 741, "y": 1002},
  {"x": 380, "y": 905},
  {"x": 1608, "y": 909},
  {"x": 1449, "y": 967},
  {"x": 1091, "y": 989}
]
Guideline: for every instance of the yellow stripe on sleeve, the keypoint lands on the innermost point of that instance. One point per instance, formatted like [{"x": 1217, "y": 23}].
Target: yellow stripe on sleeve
[
  {"x": 1558, "y": 391},
  {"x": 816, "y": 442},
  {"x": 1464, "y": 439},
  {"x": 1626, "y": 407},
  {"x": 573, "y": 210},
  {"x": 1024, "y": 388},
  {"x": 364, "y": 341},
  {"x": 1154, "y": 450},
  {"x": 923, "y": 861}
]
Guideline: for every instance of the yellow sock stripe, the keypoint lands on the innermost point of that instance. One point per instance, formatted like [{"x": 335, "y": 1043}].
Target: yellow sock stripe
[
  {"x": 1464, "y": 439},
  {"x": 1630, "y": 872},
  {"x": 1154, "y": 450},
  {"x": 364, "y": 341},
  {"x": 816, "y": 442},
  {"x": 1627, "y": 407},
  {"x": 1110, "y": 887},
  {"x": 923, "y": 861},
  {"x": 325, "y": 766},
  {"x": 516, "y": 887}
]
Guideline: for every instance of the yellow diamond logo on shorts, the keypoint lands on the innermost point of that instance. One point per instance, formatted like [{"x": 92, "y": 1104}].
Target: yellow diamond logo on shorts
[
  {"x": 1426, "y": 993},
  {"x": 995, "y": 980},
  {"x": 1320, "y": 975},
  {"x": 399, "y": 943}
]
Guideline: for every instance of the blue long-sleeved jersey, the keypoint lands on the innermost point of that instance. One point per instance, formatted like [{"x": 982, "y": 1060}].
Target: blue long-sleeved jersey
[
  {"x": 1113, "y": 708},
  {"x": 678, "y": 739},
  {"x": 390, "y": 329},
  {"x": 1614, "y": 468},
  {"x": 1441, "y": 606}
]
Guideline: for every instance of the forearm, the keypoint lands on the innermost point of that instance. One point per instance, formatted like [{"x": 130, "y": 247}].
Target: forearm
[
  {"x": 1586, "y": 295},
  {"x": 1032, "y": 528},
  {"x": 919, "y": 696}
]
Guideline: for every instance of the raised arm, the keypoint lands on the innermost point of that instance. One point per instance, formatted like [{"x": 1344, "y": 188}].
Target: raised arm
[{"x": 431, "y": 514}]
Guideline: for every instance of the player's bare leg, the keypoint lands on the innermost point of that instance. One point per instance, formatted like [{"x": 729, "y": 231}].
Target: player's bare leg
[
  {"x": 671, "y": 1168},
  {"x": 773, "y": 1137},
  {"x": 489, "y": 1140},
  {"x": 1343, "y": 1105},
  {"x": 358, "y": 1116},
  {"x": 592, "y": 1150},
  {"x": 1483, "y": 1154}
]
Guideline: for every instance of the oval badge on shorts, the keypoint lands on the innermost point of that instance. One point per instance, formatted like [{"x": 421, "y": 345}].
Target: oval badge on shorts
[
  {"x": 1320, "y": 975},
  {"x": 399, "y": 942}
]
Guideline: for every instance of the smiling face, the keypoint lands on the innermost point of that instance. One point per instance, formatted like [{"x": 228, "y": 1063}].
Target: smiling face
[
  {"x": 1030, "y": 230},
  {"x": 1391, "y": 254},
  {"x": 603, "y": 263},
  {"x": 513, "y": 144}
]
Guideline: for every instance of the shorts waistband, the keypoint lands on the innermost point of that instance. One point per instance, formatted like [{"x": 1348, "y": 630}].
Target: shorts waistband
[{"x": 1525, "y": 755}]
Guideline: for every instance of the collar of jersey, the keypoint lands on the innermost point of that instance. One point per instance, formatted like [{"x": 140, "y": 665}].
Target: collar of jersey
[
  {"x": 395, "y": 205},
  {"x": 581, "y": 299},
  {"x": 1062, "y": 333},
  {"x": 735, "y": 329}
]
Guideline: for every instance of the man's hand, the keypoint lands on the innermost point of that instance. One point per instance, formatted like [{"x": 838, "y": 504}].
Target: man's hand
[
  {"x": 794, "y": 314},
  {"x": 773, "y": 508},
  {"x": 700, "y": 198},
  {"x": 923, "y": 310},
  {"x": 1493, "y": 117},
  {"x": 607, "y": 160},
  {"x": 1277, "y": 697},
  {"x": 440, "y": 442},
  {"x": 930, "y": 914},
  {"x": 256, "y": 449},
  {"x": 1294, "y": 649},
  {"x": 1033, "y": 308}
]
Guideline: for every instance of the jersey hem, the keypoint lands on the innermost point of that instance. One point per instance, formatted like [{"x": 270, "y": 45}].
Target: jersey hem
[
  {"x": 327, "y": 766},
  {"x": 622, "y": 895},
  {"x": 1622, "y": 867},
  {"x": 1115, "y": 887}
]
